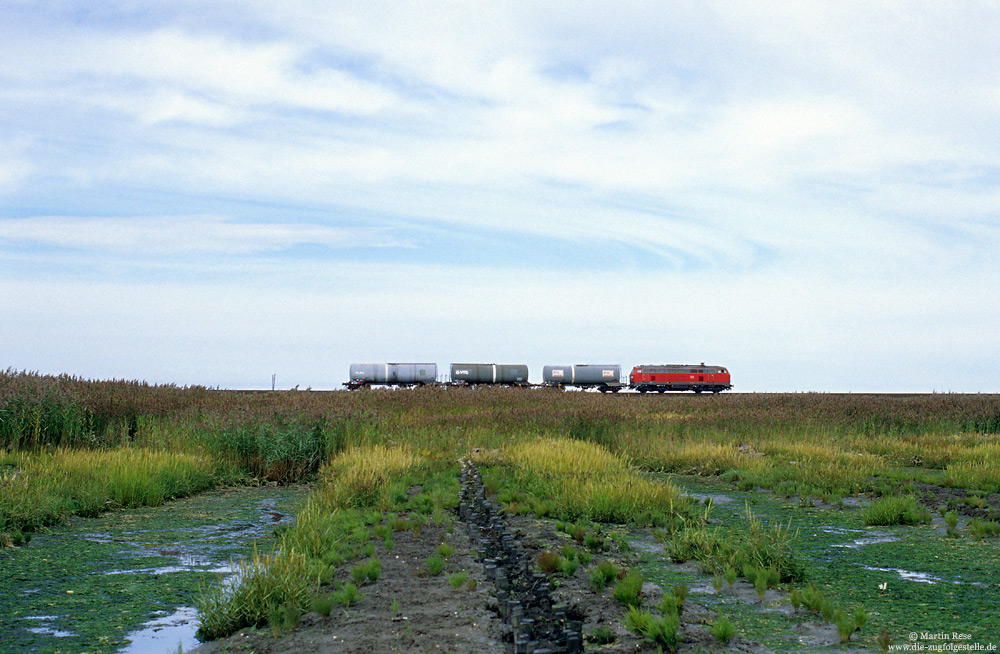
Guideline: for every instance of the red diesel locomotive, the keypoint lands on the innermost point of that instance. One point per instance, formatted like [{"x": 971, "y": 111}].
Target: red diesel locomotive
[{"x": 673, "y": 377}]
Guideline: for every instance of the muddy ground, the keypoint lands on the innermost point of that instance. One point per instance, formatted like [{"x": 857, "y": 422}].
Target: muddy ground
[{"x": 431, "y": 616}]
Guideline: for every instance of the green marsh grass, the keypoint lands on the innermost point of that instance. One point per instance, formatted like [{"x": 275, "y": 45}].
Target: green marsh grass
[
  {"x": 753, "y": 548},
  {"x": 347, "y": 595},
  {"x": 458, "y": 579},
  {"x": 434, "y": 564},
  {"x": 661, "y": 630},
  {"x": 628, "y": 590},
  {"x": 352, "y": 493},
  {"x": 723, "y": 629},
  {"x": 578, "y": 479},
  {"x": 279, "y": 451},
  {"x": 578, "y": 456},
  {"x": 45, "y": 488},
  {"x": 365, "y": 476},
  {"x": 267, "y": 583},
  {"x": 895, "y": 510}
]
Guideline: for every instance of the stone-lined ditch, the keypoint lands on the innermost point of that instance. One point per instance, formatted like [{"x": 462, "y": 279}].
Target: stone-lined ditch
[{"x": 538, "y": 625}]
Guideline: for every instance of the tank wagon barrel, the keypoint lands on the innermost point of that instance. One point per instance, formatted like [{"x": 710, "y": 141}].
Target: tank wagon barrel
[
  {"x": 471, "y": 374},
  {"x": 391, "y": 374},
  {"x": 603, "y": 377}
]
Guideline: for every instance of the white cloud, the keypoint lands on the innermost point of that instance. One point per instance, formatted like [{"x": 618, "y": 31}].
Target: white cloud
[
  {"x": 173, "y": 235},
  {"x": 15, "y": 162},
  {"x": 171, "y": 105},
  {"x": 199, "y": 77}
]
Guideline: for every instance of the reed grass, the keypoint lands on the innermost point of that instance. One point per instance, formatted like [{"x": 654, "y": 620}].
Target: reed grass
[
  {"x": 365, "y": 476},
  {"x": 577, "y": 479},
  {"x": 44, "y": 488},
  {"x": 266, "y": 584},
  {"x": 851, "y": 438},
  {"x": 895, "y": 510},
  {"x": 280, "y": 451},
  {"x": 750, "y": 547},
  {"x": 353, "y": 491}
]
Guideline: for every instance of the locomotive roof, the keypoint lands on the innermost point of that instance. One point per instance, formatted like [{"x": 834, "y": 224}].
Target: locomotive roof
[{"x": 676, "y": 366}]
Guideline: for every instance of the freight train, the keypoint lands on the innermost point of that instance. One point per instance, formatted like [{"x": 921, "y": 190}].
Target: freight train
[{"x": 605, "y": 378}]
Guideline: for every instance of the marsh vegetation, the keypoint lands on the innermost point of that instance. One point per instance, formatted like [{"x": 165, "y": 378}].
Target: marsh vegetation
[{"x": 724, "y": 494}]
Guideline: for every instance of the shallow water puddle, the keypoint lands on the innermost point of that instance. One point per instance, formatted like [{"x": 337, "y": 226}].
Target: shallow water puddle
[
  {"x": 126, "y": 581},
  {"x": 716, "y": 498},
  {"x": 166, "y": 633},
  {"x": 43, "y": 626},
  {"x": 922, "y": 577},
  {"x": 875, "y": 537}
]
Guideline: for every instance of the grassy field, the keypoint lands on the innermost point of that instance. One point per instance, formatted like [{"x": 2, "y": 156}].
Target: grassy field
[{"x": 76, "y": 447}]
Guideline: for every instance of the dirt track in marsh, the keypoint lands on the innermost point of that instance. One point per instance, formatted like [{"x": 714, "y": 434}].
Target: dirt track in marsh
[{"x": 410, "y": 610}]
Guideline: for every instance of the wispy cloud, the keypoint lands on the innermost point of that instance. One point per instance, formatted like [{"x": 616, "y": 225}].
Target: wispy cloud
[{"x": 181, "y": 235}]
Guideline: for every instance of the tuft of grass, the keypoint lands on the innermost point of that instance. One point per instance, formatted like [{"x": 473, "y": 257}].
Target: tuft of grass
[
  {"x": 323, "y": 604},
  {"x": 266, "y": 586},
  {"x": 860, "y": 617},
  {"x": 812, "y": 598},
  {"x": 603, "y": 636},
  {"x": 760, "y": 585},
  {"x": 282, "y": 619},
  {"x": 434, "y": 564},
  {"x": 951, "y": 524},
  {"x": 347, "y": 595},
  {"x": 629, "y": 588},
  {"x": 549, "y": 561},
  {"x": 895, "y": 510},
  {"x": 568, "y": 567},
  {"x": 723, "y": 629},
  {"x": 731, "y": 576},
  {"x": 369, "y": 572},
  {"x": 795, "y": 597},
  {"x": 458, "y": 579},
  {"x": 845, "y": 624},
  {"x": 884, "y": 640},
  {"x": 984, "y": 528},
  {"x": 662, "y": 631}
]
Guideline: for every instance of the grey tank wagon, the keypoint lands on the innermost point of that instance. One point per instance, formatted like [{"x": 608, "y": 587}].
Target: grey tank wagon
[
  {"x": 500, "y": 374},
  {"x": 602, "y": 377},
  {"x": 391, "y": 374}
]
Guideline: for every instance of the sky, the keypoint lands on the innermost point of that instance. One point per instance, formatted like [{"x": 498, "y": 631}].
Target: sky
[{"x": 214, "y": 193}]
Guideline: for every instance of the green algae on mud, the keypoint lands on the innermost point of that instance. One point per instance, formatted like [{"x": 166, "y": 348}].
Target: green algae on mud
[
  {"x": 932, "y": 583},
  {"x": 87, "y": 586}
]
